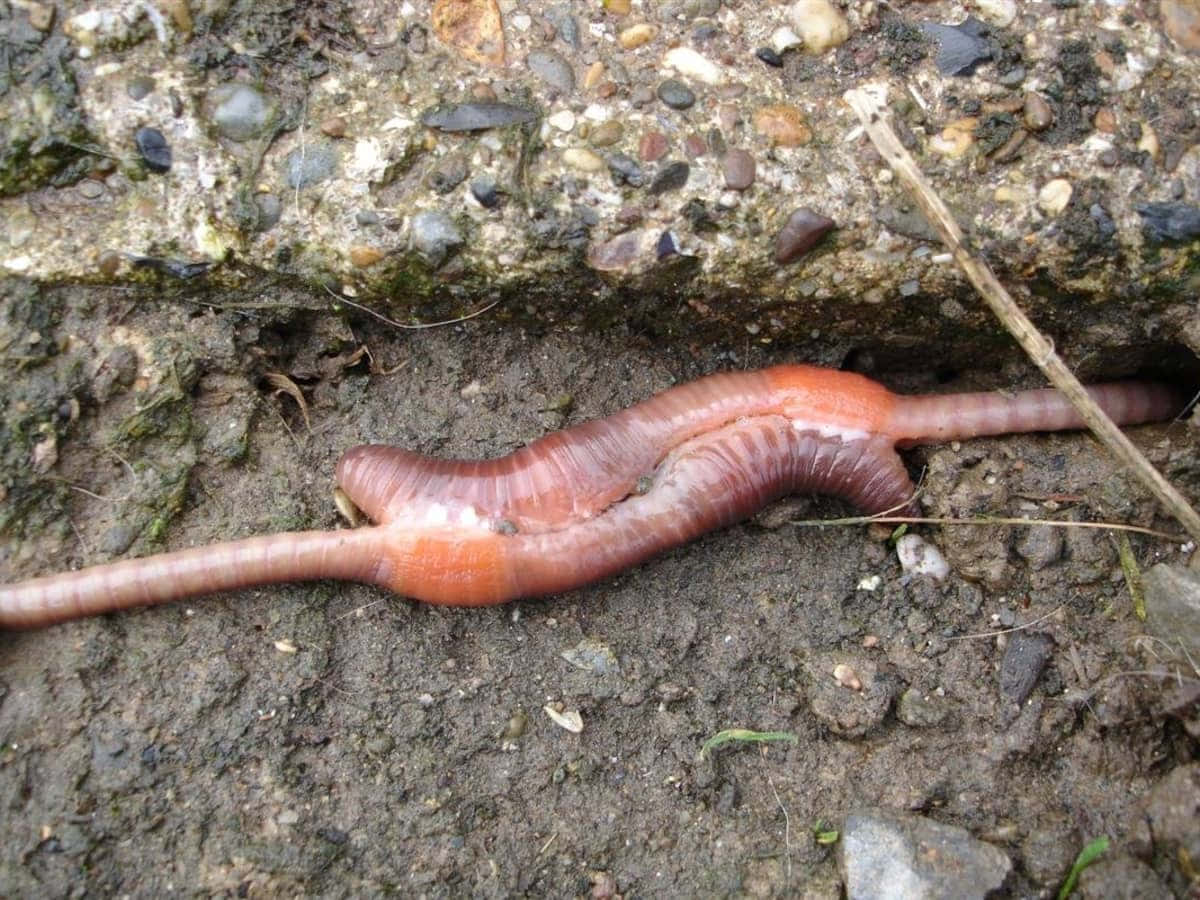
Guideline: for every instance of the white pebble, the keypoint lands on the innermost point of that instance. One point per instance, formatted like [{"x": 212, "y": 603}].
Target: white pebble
[
  {"x": 783, "y": 38},
  {"x": 997, "y": 12},
  {"x": 687, "y": 61},
  {"x": 563, "y": 120},
  {"x": 918, "y": 557},
  {"x": 1054, "y": 196},
  {"x": 583, "y": 159},
  {"x": 819, "y": 24}
]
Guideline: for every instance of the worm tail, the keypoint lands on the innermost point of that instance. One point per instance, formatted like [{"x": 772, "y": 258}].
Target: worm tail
[
  {"x": 933, "y": 419},
  {"x": 297, "y": 556}
]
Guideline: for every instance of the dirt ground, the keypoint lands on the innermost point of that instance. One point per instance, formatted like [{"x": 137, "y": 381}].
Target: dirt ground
[{"x": 326, "y": 739}]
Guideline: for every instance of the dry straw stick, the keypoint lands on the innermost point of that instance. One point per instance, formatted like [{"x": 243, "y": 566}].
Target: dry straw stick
[{"x": 1040, "y": 350}]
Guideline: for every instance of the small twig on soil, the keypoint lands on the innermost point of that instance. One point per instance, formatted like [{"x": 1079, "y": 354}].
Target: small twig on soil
[
  {"x": 871, "y": 112},
  {"x": 417, "y": 327},
  {"x": 992, "y": 634},
  {"x": 989, "y": 520},
  {"x": 787, "y": 834}
]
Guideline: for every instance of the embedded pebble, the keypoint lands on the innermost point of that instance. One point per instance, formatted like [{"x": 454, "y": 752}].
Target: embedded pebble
[
  {"x": 606, "y": 134},
  {"x": 738, "y": 167},
  {"x": 671, "y": 178},
  {"x": 622, "y": 251},
  {"x": 819, "y": 24},
  {"x": 483, "y": 189},
  {"x": 552, "y": 69},
  {"x": 309, "y": 165},
  {"x": 784, "y": 39},
  {"x": 694, "y": 146},
  {"x": 90, "y": 189},
  {"x": 955, "y": 139},
  {"x": 241, "y": 112},
  {"x": 675, "y": 94},
  {"x": 476, "y": 116},
  {"x": 449, "y": 173},
  {"x": 583, "y": 159},
  {"x": 563, "y": 120},
  {"x": 270, "y": 211},
  {"x": 1024, "y": 659},
  {"x": 919, "y": 557},
  {"x": 687, "y": 61},
  {"x": 593, "y": 656},
  {"x": 782, "y": 125},
  {"x": 363, "y": 255},
  {"x": 637, "y": 36},
  {"x": 1181, "y": 22},
  {"x": 139, "y": 87},
  {"x": 916, "y": 857},
  {"x": 565, "y": 24},
  {"x": 1040, "y": 545},
  {"x": 653, "y": 146},
  {"x": 625, "y": 170},
  {"x": 1054, "y": 196},
  {"x": 334, "y": 127},
  {"x": 154, "y": 149},
  {"x": 770, "y": 57},
  {"x": 1000, "y": 13},
  {"x": 434, "y": 235},
  {"x": 802, "y": 231},
  {"x": 917, "y": 709},
  {"x": 1037, "y": 112}
]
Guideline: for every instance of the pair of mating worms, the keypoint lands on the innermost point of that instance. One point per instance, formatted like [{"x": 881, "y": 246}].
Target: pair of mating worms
[{"x": 584, "y": 503}]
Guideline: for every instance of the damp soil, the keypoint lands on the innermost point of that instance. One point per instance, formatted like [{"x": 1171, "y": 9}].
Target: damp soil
[{"x": 326, "y": 739}]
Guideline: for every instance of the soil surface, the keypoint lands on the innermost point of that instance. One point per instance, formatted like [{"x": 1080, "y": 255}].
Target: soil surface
[{"x": 327, "y": 739}]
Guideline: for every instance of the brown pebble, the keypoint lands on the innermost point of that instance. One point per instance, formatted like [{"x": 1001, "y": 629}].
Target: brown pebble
[
  {"x": 739, "y": 169},
  {"x": 617, "y": 7},
  {"x": 1037, "y": 112},
  {"x": 1105, "y": 120},
  {"x": 592, "y": 76},
  {"x": 606, "y": 90},
  {"x": 804, "y": 228},
  {"x": 334, "y": 127},
  {"x": 483, "y": 92},
  {"x": 782, "y": 125},
  {"x": 607, "y": 133},
  {"x": 694, "y": 146},
  {"x": 637, "y": 36},
  {"x": 1181, "y": 22},
  {"x": 108, "y": 262},
  {"x": 363, "y": 255},
  {"x": 653, "y": 146}
]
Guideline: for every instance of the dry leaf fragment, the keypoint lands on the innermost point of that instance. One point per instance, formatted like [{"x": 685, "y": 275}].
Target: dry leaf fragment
[
  {"x": 571, "y": 720},
  {"x": 473, "y": 27},
  {"x": 285, "y": 385}
]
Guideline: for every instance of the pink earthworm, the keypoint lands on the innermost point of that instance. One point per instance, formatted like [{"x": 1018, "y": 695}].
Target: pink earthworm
[{"x": 580, "y": 504}]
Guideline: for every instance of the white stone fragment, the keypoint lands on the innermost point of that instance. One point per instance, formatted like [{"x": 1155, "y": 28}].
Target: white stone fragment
[
  {"x": 1000, "y": 13},
  {"x": 1054, "y": 196},
  {"x": 563, "y": 120},
  {"x": 784, "y": 38},
  {"x": 819, "y": 24},
  {"x": 919, "y": 557},
  {"x": 687, "y": 61}
]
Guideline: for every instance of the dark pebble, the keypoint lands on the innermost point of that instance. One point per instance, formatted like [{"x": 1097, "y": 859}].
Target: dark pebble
[
  {"x": 1013, "y": 77},
  {"x": 139, "y": 87},
  {"x": 716, "y": 141},
  {"x": 676, "y": 94},
  {"x": 108, "y": 262},
  {"x": 270, "y": 211},
  {"x": 666, "y": 245},
  {"x": 960, "y": 47},
  {"x": 739, "y": 169},
  {"x": 366, "y": 218},
  {"x": 155, "y": 151},
  {"x": 1024, "y": 660},
  {"x": 671, "y": 178},
  {"x": 309, "y": 165},
  {"x": 449, "y": 173},
  {"x": 484, "y": 190},
  {"x": 476, "y": 116},
  {"x": 770, "y": 57},
  {"x": 565, "y": 24},
  {"x": 802, "y": 231},
  {"x": 625, "y": 170},
  {"x": 1165, "y": 222}
]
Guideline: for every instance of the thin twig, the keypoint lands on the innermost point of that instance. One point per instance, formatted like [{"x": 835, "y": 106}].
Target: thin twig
[
  {"x": 872, "y": 114},
  {"x": 382, "y": 318},
  {"x": 988, "y": 520},
  {"x": 787, "y": 833},
  {"x": 992, "y": 634}
]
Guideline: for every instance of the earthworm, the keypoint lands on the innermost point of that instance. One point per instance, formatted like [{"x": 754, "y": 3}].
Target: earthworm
[{"x": 580, "y": 504}]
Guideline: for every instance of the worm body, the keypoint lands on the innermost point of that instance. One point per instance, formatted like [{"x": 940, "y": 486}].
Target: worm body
[{"x": 589, "y": 501}]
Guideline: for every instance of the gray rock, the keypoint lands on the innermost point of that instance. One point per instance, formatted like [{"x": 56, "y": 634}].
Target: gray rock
[
  {"x": 1173, "y": 606},
  {"x": 310, "y": 165},
  {"x": 889, "y": 855},
  {"x": 552, "y": 69},
  {"x": 241, "y": 112},
  {"x": 1026, "y": 656},
  {"x": 434, "y": 235},
  {"x": 1173, "y": 812},
  {"x": 1121, "y": 878}
]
